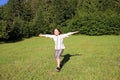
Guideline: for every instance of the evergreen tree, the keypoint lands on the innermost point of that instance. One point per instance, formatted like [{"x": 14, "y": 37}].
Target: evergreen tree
[{"x": 26, "y": 18}]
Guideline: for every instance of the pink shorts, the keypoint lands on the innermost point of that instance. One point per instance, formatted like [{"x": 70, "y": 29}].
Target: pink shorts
[{"x": 58, "y": 53}]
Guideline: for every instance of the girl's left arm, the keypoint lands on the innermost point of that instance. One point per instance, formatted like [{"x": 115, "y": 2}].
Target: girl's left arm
[
  {"x": 75, "y": 32},
  {"x": 70, "y": 33}
]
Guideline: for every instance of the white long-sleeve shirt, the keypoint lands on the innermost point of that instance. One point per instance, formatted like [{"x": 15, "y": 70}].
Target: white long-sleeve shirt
[{"x": 59, "y": 40}]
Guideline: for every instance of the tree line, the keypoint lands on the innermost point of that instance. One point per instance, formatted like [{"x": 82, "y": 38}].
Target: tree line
[{"x": 25, "y": 18}]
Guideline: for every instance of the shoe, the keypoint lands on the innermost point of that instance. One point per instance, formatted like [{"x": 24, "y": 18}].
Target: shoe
[{"x": 58, "y": 69}]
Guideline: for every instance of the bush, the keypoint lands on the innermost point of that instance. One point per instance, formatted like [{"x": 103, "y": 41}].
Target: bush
[
  {"x": 96, "y": 24},
  {"x": 3, "y": 30},
  {"x": 114, "y": 25}
]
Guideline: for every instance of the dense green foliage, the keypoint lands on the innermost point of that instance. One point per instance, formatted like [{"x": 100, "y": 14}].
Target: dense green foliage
[{"x": 26, "y": 18}]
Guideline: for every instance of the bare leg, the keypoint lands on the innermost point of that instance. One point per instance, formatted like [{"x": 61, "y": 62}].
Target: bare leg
[
  {"x": 57, "y": 56},
  {"x": 58, "y": 62}
]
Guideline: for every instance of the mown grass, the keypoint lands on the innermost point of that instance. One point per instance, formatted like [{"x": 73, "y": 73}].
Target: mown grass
[{"x": 85, "y": 58}]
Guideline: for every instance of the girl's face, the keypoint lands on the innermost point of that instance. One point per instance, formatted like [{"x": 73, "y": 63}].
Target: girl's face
[{"x": 56, "y": 32}]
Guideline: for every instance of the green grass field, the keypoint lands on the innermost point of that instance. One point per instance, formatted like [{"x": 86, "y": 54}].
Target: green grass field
[{"x": 85, "y": 58}]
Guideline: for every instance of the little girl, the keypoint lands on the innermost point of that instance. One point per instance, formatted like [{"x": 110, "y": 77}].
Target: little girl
[{"x": 59, "y": 45}]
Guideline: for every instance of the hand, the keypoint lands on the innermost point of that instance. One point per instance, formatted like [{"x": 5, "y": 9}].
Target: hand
[
  {"x": 40, "y": 34},
  {"x": 75, "y": 32}
]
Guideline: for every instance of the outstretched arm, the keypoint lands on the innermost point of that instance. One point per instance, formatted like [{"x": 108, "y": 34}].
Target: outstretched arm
[
  {"x": 41, "y": 35},
  {"x": 70, "y": 33},
  {"x": 46, "y": 35},
  {"x": 75, "y": 32}
]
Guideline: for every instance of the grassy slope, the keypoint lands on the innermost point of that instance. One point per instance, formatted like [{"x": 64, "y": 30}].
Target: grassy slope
[{"x": 88, "y": 58}]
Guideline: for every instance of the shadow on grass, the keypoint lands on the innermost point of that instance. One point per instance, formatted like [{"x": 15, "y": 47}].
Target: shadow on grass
[{"x": 67, "y": 58}]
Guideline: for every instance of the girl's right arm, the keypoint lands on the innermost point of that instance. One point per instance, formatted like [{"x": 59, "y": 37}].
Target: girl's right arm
[
  {"x": 41, "y": 35},
  {"x": 46, "y": 35}
]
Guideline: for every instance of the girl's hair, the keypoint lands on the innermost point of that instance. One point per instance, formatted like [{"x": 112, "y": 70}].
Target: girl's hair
[{"x": 58, "y": 30}]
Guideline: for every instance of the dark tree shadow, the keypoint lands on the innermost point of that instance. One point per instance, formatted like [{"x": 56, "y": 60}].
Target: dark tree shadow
[
  {"x": 2, "y": 41},
  {"x": 67, "y": 58}
]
